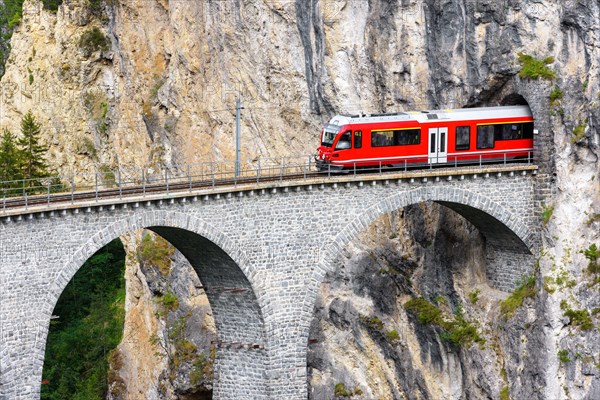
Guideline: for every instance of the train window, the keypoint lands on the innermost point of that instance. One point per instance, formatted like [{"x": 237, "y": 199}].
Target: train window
[
  {"x": 344, "y": 142},
  {"x": 398, "y": 137},
  {"x": 485, "y": 136},
  {"x": 512, "y": 131},
  {"x": 328, "y": 138},
  {"x": 463, "y": 137},
  {"x": 357, "y": 139},
  {"x": 528, "y": 130}
]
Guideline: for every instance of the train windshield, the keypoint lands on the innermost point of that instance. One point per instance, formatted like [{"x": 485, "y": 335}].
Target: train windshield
[{"x": 329, "y": 135}]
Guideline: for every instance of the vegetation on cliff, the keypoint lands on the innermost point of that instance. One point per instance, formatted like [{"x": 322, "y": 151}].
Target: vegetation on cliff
[
  {"x": 88, "y": 325},
  {"x": 23, "y": 157}
]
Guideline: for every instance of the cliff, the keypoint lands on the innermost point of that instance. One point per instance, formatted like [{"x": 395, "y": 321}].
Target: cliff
[{"x": 158, "y": 88}]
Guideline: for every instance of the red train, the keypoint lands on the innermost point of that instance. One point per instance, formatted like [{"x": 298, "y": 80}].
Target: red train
[{"x": 405, "y": 139}]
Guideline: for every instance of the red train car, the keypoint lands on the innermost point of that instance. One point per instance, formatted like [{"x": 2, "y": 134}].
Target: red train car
[{"x": 405, "y": 139}]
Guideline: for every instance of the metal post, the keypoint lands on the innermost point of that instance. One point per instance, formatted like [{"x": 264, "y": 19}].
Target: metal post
[
  {"x": 167, "y": 179},
  {"x": 189, "y": 177},
  {"x": 355, "y": 168},
  {"x": 72, "y": 188},
  {"x": 258, "y": 172},
  {"x": 49, "y": 193},
  {"x": 238, "y": 107},
  {"x": 96, "y": 179},
  {"x": 380, "y": 164},
  {"x": 120, "y": 187},
  {"x": 212, "y": 171},
  {"x": 282, "y": 169},
  {"x": 143, "y": 182},
  {"x": 405, "y": 165},
  {"x": 504, "y": 158},
  {"x": 480, "y": 160}
]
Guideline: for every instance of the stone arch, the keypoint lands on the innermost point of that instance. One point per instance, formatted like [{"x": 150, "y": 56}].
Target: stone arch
[
  {"x": 234, "y": 298},
  {"x": 476, "y": 208}
]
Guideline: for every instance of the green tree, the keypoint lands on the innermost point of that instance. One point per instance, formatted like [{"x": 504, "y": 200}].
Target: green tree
[
  {"x": 32, "y": 153},
  {"x": 9, "y": 157}
]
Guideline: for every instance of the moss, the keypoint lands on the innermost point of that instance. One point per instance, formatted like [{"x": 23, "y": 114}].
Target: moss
[
  {"x": 156, "y": 251},
  {"x": 534, "y": 68},
  {"x": 578, "y": 132},
  {"x": 525, "y": 289},
  {"x": 504, "y": 374},
  {"x": 592, "y": 217},
  {"x": 203, "y": 368},
  {"x": 504, "y": 395}
]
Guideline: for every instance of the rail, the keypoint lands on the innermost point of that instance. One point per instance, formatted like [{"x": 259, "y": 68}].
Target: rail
[{"x": 126, "y": 182}]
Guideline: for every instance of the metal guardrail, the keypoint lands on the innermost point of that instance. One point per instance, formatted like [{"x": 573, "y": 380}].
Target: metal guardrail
[{"x": 142, "y": 181}]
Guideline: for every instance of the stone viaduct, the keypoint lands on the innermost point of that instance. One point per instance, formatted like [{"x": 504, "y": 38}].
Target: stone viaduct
[{"x": 272, "y": 242}]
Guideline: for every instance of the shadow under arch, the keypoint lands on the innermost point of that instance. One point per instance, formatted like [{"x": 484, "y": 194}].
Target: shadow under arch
[
  {"x": 224, "y": 272},
  {"x": 502, "y": 229}
]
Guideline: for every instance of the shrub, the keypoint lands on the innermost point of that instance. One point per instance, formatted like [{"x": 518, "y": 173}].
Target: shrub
[
  {"x": 563, "y": 356},
  {"x": 426, "y": 312},
  {"x": 578, "y": 132},
  {"x": 393, "y": 336},
  {"x": 374, "y": 323},
  {"x": 504, "y": 395},
  {"x": 525, "y": 289},
  {"x": 92, "y": 41},
  {"x": 556, "y": 96},
  {"x": 156, "y": 251},
  {"x": 340, "y": 390},
  {"x": 580, "y": 318},
  {"x": 168, "y": 301},
  {"x": 457, "y": 330},
  {"x": 592, "y": 253},
  {"x": 547, "y": 213},
  {"x": 474, "y": 296},
  {"x": 533, "y": 68}
]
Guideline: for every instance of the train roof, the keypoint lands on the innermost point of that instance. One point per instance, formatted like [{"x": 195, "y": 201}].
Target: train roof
[{"x": 459, "y": 114}]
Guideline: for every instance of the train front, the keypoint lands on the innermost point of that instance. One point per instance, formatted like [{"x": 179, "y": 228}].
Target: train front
[{"x": 329, "y": 138}]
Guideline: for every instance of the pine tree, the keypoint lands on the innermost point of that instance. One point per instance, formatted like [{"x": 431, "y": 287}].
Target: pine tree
[
  {"x": 9, "y": 157},
  {"x": 32, "y": 157}
]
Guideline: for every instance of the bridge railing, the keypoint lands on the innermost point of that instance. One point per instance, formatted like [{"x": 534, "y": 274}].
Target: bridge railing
[{"x": 143, "y": 181}]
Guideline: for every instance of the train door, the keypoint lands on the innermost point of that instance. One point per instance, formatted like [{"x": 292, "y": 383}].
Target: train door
[{"x": 438, "y": 145}]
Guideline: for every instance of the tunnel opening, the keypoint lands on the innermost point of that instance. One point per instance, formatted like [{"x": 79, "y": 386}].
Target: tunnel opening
[{"x": 514, "y": 99}]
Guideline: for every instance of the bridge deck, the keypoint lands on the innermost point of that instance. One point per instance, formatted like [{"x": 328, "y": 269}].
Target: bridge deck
[{"x": 193, "y": 189}]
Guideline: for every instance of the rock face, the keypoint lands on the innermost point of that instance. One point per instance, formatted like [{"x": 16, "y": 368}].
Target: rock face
[
  {"x": 162, "y": 91},
  {"x": 166, "y": 351}
]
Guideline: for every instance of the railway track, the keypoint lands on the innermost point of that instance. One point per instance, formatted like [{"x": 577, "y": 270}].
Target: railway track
[
  {"x": 142, "y": 190},
  {"x": 80, "y": 194}
]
